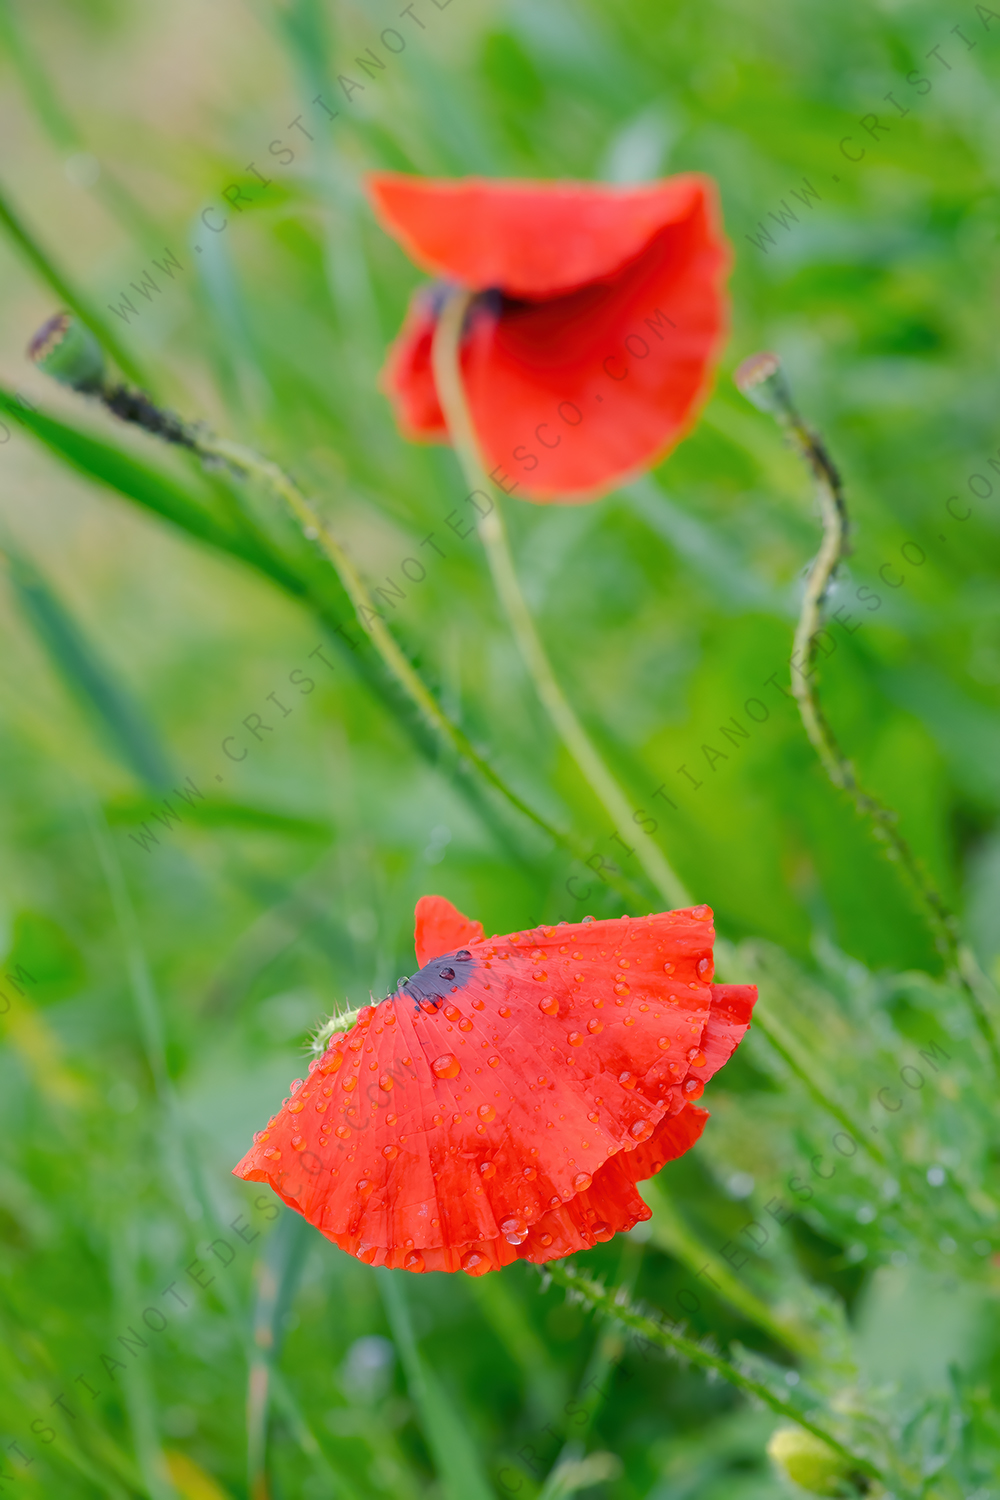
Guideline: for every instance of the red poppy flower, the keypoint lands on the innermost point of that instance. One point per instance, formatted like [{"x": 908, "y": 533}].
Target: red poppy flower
[
  {"x": 504, "y": 1102},
  {"x": 601, "y": 316}
]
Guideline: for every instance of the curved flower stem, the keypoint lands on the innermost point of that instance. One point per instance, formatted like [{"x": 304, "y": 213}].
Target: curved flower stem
[
  {"x": 133, "y": 406},
  {"x": 615, "y": 1303},
  {"x": 761, "y": 380},
  {"x": 451, "y": 394}
]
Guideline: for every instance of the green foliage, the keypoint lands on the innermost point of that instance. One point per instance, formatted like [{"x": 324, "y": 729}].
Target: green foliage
[{"x": 217, "y": 815}]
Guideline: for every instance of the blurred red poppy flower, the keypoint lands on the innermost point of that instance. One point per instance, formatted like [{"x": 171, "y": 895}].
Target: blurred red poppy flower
[
  {"x": 504, "y": 1102},
  {"x": 591, "y": 345}
]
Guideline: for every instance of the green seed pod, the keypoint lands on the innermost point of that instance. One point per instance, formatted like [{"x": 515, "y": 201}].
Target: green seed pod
[
  {"x": 66, "y": 349},
  {"x": 760, "y": 379},
  {"x": 808, "y": 1462}
]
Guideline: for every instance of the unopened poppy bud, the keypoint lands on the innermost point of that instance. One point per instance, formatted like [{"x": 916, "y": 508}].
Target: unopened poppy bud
[
  {"x": 808, "y": 1462},
  {"x": 760, "y": 379},
  {"x": 66, "y": 349}
]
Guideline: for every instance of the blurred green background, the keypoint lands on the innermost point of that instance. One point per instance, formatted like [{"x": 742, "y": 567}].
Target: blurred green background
[{"x": 166, "y": 967}]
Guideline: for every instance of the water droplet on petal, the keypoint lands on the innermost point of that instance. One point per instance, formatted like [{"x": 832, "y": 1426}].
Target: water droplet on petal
[
  {"x": 365, "y": 1187},
  {"x": 621, "y": 989},
  {"x": 493, "y": 1061},
  {"x": 465, "y": 1024},
  {"x": 706, "y": 969},
  {"x": 701, "y": 913},
  {"x": 593, "y": 1118},
  {"x": 595, "y": 1026},
  {"x": 446, "y": 1066},
  {"x": 600, "y": 1231},
  {"x": 514, "y": 1231},
  {"x": 331, "y": 1062},
  {"x": 475, "y": 1263},
  {"x": 390, "y": 1152},
  {"x": 582, "y": 1181},
  {"x": 529, "y": 1174},
  {"x": 694, "y": 1088},
  {"x": 545, "y": 1240},
  {"x": 626, "y": 1080},
  {"x": 641, "y": 1130},
  {"x": 668, "y": 968},
  {"x": 368, "y": 1254},
  {"x": 296, "y": 1107},
  {"x": 350, "y": 1083},
  {"x": 452, "y": 1012},
  {"x": 486, "y": 1112},
  {"x": 343, "y": 1131},
  {"x": 663, "y": 1043},
  {"x": 487, "y": 1169},
  {"x": 414, "y": 1261},
  {"x": 385, "y": 1082},
  {"x": 447, "y": 974},
  {"x": 550, "y": 1005},
  {"x": 575, "y": 1039}
]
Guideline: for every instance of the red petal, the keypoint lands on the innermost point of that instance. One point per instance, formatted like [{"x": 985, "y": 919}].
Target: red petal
[
  {"x": 729, "y": 1019},
  {"x": 529, "y": 239},
  {"x": 506, "y": 1071},
  {"x": 408, "y": 379},
  {"x": 575, "y": 394},
  {"x": 441, "y": 928}
]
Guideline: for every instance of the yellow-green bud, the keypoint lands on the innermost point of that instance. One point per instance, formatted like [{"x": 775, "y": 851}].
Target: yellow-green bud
[
  {"x": 761, "y": 380},
  {"x": 808, "y": 1462},
  {"x": 66, "y": 349}
]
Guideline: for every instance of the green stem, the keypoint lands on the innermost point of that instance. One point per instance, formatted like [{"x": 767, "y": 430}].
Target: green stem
[
  {"x": 762, "y": 380},
  {"x": 451, "y": 394},
  {"x": 614, "y": 1303},
  {"x": 66, "y": 293},
  {"x": 673, "y": 1234},
  {"x": 133, "y": 406},
  {"x": 247, "y": 462}
]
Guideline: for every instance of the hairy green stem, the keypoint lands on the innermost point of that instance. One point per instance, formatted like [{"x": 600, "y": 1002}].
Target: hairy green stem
[
  {"x": 451, "y": 394},
  {"x": 132, "y": 406},
  {"x": 761, "y": 379},
  {"x": 672, "y": 1232},
  {"x": 615, "y": 1303}
]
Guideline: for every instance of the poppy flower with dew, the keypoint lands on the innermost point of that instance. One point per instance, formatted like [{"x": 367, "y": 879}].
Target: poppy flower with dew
[
  {"x": 599, "y": 316},
  {"x": 503, "y": 1103}
]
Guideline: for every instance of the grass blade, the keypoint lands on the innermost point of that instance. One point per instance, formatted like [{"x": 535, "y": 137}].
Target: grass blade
[
  {"x": 43, "y": 265},
  {"x": 87, "y": 676}
]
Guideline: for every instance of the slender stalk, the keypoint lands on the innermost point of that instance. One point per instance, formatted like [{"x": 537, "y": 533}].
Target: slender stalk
[
  {"x": 43, "y": 265},
  {"x": 246, "y": 461},
  {"x": 133, "y": 406},
  {"x": 451, "y": 394},
  {"x": 761, "y": 380},
  {"x": 615, "y": 1303},
  {"x": 671, "y": 1232}
]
